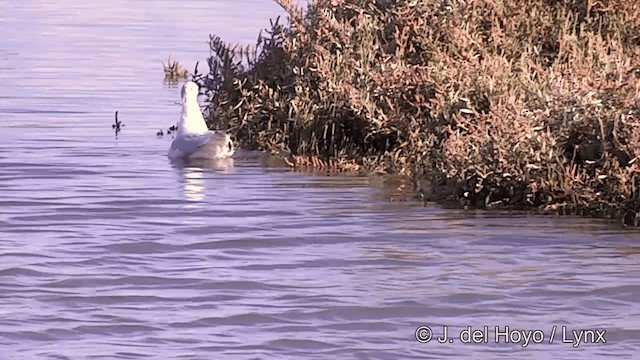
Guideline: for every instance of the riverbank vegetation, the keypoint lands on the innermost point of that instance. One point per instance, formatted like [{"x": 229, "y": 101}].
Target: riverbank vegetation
[
  {"x": 521, "y": 104},
  {"x": 174, "y": 72}
]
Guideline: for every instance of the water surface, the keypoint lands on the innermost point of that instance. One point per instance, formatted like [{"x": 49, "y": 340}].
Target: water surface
[{"x": 108, "y": 251}]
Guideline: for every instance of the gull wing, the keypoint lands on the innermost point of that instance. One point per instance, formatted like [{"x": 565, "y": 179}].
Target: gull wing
[{"x": 185, "y": 145}]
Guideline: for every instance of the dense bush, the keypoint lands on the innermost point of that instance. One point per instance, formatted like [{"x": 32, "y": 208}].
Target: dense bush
[{"x": 512, "y": 103}]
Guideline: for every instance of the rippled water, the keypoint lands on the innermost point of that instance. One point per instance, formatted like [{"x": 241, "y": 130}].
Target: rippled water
[{"x": 107, "y": 251}]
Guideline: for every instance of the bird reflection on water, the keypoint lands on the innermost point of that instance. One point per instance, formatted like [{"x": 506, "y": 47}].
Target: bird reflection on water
[{"x": 193, "y": 173}]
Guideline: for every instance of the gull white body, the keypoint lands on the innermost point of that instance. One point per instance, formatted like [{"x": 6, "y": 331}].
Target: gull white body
[{"x": 193, "y": 139}]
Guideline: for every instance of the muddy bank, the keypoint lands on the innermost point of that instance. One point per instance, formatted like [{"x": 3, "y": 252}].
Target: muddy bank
[{"x": 513, "y": 105}]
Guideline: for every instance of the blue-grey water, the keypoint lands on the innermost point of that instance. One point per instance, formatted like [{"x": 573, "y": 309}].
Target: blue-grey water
[{"x": 108, "y": 251}]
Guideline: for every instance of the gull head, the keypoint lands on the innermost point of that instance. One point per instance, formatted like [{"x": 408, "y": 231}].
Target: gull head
[{"x": 190, "y": 90}]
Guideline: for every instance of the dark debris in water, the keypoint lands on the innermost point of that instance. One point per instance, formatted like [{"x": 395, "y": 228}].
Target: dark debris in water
[
  {"x": 118, "y": 125},
  {"x": 172, "y": 128}
]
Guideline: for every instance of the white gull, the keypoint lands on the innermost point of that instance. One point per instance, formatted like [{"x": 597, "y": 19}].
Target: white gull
[{"x": 193, "y": 140}]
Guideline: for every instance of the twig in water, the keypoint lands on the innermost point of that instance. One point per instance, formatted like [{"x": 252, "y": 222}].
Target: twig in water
[{"x": 118, "y": 125}]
